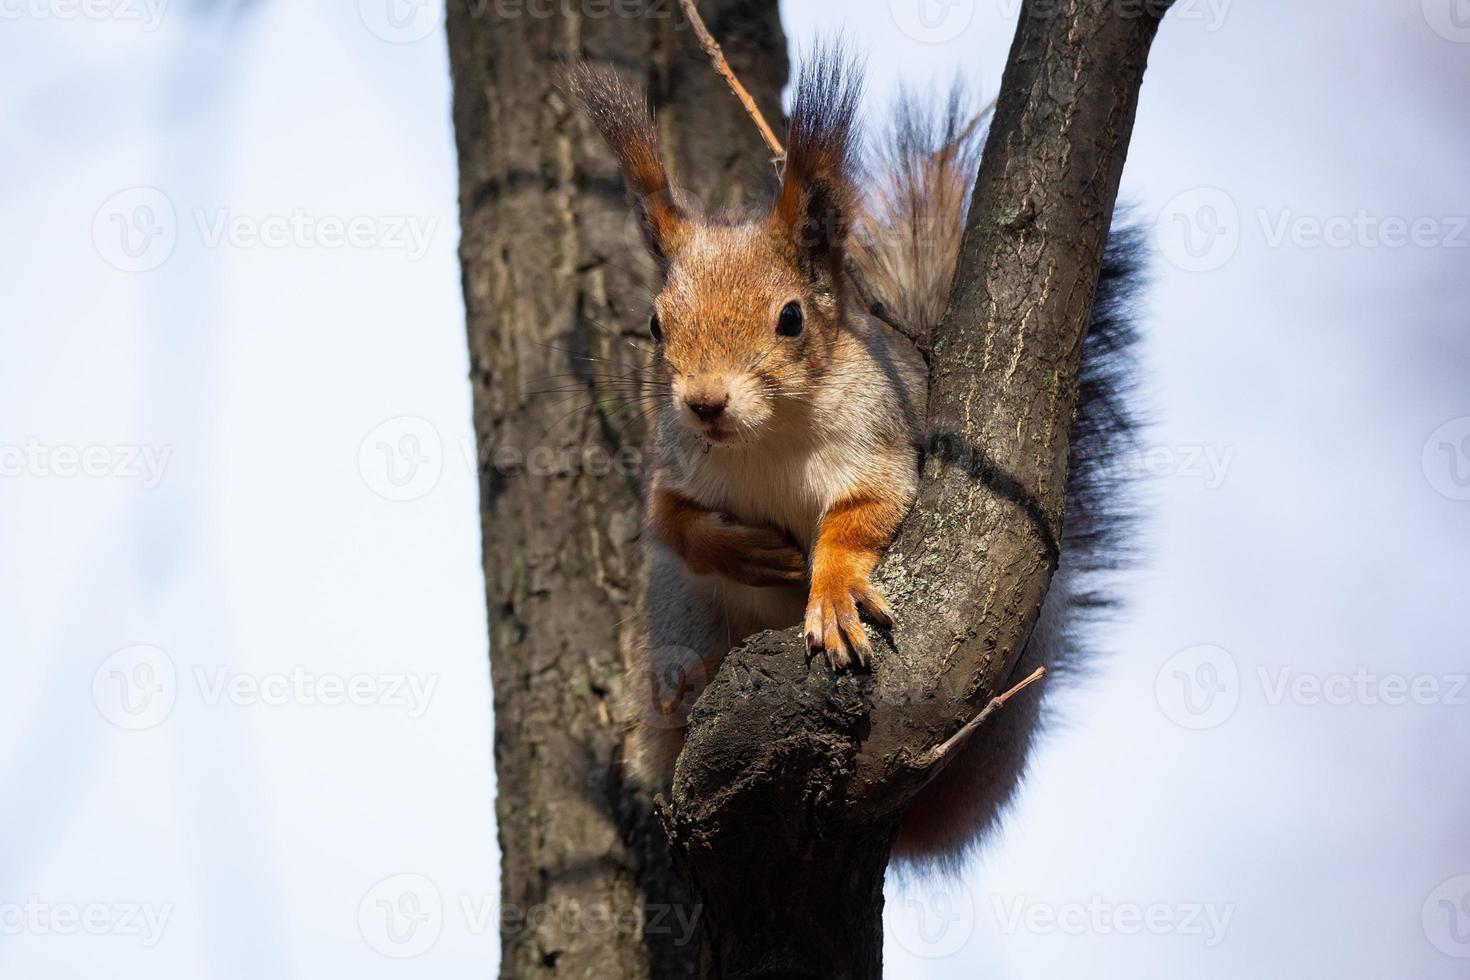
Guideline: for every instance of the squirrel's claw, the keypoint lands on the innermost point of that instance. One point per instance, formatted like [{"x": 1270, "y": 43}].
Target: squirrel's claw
[
  {"x": 832, "y": 624},
  {"x": 873, "y": 602}
]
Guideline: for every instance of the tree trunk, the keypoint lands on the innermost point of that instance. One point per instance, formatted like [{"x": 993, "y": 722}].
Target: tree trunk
[
  {"x": 556, "y": 295},
  {"x": 791, "y": 784}
]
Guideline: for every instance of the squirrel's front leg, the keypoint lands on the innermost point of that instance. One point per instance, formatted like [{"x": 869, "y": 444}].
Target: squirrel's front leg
[
  {"x": 851, "y": 539},
  {"x": 712, "y": 541}
]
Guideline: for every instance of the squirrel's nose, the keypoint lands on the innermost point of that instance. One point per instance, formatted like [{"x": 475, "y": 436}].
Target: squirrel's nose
[{"x": 708, "y": 407}]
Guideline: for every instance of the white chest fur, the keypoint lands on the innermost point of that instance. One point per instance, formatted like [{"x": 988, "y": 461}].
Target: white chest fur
[{"x": 790, "y": 485}]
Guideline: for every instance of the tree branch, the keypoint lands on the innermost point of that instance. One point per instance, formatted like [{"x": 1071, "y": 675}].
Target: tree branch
[
  {"x": 788, "y": 793},
  {"x": 722, "y": 67},
  {"x": 941, "y": 752}
]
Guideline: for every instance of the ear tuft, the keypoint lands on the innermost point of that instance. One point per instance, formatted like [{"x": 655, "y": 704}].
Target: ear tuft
[
  {"x": 621, "y": 115},
  {"x": 819, "y": 194}
]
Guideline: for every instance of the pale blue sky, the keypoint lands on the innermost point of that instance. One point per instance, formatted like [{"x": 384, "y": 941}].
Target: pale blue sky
[{"x": 232, "y": 320}]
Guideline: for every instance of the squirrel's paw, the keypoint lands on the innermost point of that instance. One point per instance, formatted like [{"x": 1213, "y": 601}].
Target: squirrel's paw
[
  {"x": 832, "y": 623},
  {"x": 752, "y": 554}
]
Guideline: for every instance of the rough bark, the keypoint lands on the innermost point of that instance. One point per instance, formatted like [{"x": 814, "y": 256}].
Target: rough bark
[
  {"x": 556, "y": 290},
  {"x": 788, "y": 792}
]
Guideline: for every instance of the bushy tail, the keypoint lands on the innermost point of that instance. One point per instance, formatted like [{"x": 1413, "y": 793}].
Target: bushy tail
[
  {"x": 909, "y": 242},
  {"x": 908, "y": 233}
]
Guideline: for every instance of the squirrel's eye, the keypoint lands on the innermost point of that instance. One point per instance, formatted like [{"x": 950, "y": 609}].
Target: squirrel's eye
[
  {"x": 789, "y": 323},
  {"x": 655, "y": 329}
]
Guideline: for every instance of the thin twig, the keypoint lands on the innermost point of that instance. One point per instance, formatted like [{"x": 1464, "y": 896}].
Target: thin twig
[
  {"x": 937, "y": 754},
  {"x": 717, "y": 59}
]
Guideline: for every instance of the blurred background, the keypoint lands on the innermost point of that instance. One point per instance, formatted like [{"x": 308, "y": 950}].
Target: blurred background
[{"x": 241, "y": 605}]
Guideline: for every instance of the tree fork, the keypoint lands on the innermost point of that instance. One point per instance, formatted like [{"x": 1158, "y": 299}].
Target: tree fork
[{"x": 792, "y": 782}]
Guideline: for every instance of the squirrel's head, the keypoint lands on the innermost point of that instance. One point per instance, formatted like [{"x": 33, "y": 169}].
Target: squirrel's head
[{"x": 748, "y": 317}]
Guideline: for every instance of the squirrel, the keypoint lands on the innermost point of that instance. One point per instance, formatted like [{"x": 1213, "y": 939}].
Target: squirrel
[{"x": 789, "y": 426}]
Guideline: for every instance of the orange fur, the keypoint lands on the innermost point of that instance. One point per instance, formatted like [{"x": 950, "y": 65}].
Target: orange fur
[
  {"x": 851, "y": 539},
  {"x": 711, "y": 542},
  {"x": 621, "y": 115}
]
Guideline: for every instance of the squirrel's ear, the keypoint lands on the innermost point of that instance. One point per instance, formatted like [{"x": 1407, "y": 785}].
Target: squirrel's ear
[
  {"x": 621, "y": 115},
  {"x": 818, "y": 199}
]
